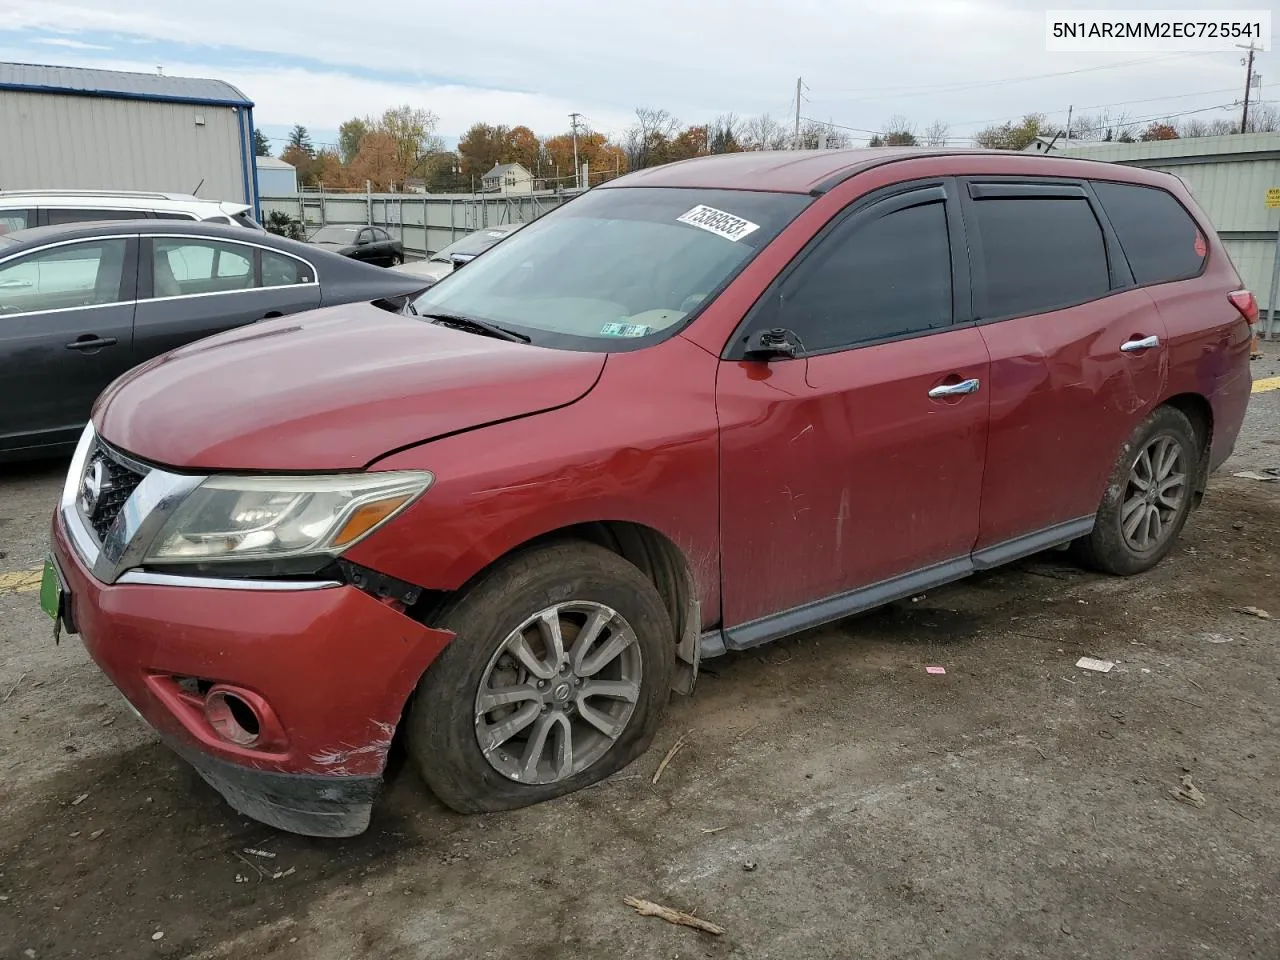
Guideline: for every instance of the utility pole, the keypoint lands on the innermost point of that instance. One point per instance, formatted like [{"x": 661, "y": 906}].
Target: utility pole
[
  {"x": 1248, "y": 84},
  {"x": 577, "y": 171},
  {"x": 795, "y": 143},
  {"x": 1067, "y": 141}
]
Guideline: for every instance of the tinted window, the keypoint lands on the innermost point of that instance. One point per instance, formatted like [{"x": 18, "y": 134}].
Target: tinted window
[
  {"x": 85, "y": 216},
  {"x": 186, "y": 266},
  {"x": 172, "y": 216},
  {"x": 381, "y": 235},
  {"x": 1159, "y": 238},
  {"x": 281, "y": 271},
  {"x": 366, "y": 236},
  {"x": 11, "y": 220},
  {"x": 1039, "y": 254},
  {"x": 75, "y": 275},
  {"x": 869, "y": 280},
  {"x": 223, "y": 220}
]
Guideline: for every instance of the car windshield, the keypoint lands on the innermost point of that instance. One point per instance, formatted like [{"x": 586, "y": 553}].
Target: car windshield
[
  {"x": 616, "y": 269},
  {"x": 335, "y": 235},
  {"x": 471, "y": 245}
]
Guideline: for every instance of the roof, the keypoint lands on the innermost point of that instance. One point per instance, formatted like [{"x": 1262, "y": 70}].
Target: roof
[
  {"x": 272, "y": 163},
  {"x": 115, "y": 83},
  {"x": 1231, "y": 146},
  {"x": 35, "y": 236},
  {"x": 502, "y": 169},
  {"x": 817, "y": 171}
]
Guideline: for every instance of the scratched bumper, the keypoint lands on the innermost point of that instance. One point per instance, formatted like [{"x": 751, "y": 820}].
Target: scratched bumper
[
  {"x": 316, "y": 806},
  {"x": 335, "y": 666}
]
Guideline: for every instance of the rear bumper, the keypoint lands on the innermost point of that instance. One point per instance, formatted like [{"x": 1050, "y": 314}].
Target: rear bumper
[{"x": 334, "y": 667}]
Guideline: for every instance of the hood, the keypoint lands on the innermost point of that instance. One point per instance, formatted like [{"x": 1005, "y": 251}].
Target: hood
[
  {"x": 331, "y": 389},
  {"x": 428, "y": 269}
]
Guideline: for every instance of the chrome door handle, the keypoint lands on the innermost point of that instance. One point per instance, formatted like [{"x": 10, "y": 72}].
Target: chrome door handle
[
  {"x": 1137, "y": 346},
  {"x": 955, "y": 389}
]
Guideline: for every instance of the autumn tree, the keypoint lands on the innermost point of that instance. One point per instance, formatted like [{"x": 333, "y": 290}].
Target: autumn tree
[
  {"x": 413, "y": 131},
  {"x": 301, "y": 140},
  {"x": 764, "y": 133},
  {"x": 594, "y": 149},
  {"x": 648, "y": 141},
  {"x": 1159, "y": 131},
  {"x": 261, "y": 145},
  {"x": 349, "y": 136},
  {"x": 379, "y": 161},
  {"x": 689, "y": 143},
  {"x": 1014, "y": 136},
  {"x": 481, "y": 148},
  {"x": 522, "y": 146}
]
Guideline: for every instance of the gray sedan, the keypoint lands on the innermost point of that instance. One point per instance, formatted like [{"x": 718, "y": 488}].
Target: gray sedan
[{"x": 82, "y": 303}]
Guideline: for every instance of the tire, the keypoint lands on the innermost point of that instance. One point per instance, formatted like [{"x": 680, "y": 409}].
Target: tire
[
  {"x": 445, "y": 722},
  {"x": 1108, "y": 548}
]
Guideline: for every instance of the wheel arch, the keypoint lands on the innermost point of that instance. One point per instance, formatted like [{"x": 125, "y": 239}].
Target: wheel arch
[{"x": 1196, "y": 408}]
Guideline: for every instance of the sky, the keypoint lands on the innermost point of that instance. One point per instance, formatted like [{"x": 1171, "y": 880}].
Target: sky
[{"x": 319, "y": 62}]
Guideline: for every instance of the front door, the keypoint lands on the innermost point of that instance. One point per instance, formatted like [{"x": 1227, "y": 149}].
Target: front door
[
  {"x": 66, "y": 331},
  {"x": 1078, "y": 358},
  {"x": 855, "y": 468}
]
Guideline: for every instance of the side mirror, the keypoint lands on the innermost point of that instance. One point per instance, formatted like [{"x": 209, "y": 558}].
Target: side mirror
[{"x": 777, "y": 343}]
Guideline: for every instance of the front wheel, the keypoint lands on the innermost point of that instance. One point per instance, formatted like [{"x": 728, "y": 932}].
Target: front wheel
[
  {"x": 557, "y": 677},
  {"x": 1148, "y": 496}
]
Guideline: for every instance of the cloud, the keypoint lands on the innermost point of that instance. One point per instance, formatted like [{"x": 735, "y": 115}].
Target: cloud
[
  {"x": 320, "y": 61},
  {"x": 69, "y": 43}
]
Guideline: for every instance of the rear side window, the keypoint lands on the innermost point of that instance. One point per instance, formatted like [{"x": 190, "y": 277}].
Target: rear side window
[
  {"x": 1159, "y": 238},
  {"x": 1039, "y": 254},
  {"x": 81, "y": 215},
  {"x": 11, "y": 220},
  {"x": 870, "y": 281},
  {"x": 164, "y": 215},
  {"x": 281, "y": 271}
]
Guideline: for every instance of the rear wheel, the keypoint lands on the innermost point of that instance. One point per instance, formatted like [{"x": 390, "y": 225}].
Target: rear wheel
[
  {"x": 1148, "y": 496},
  {"x": 557, "y": 677}
]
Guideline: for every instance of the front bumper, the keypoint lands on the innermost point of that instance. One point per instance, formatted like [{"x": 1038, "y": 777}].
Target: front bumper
[{"x": 335, "y": 665}]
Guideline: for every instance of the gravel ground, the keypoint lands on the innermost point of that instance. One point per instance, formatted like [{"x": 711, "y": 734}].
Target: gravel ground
[{"x": 833, "y": 798}]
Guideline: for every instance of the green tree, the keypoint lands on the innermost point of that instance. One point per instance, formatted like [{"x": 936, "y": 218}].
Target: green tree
[
  {"x": 300, "y": 139},
  {"x": 1014, "y": 136},
  {"x": 261, "y": 145},
  {"x": 349, "y": 136}
]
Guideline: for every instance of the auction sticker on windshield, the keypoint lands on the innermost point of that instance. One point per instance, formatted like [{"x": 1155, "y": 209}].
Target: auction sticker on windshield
[{"x": 718, "y": 222}]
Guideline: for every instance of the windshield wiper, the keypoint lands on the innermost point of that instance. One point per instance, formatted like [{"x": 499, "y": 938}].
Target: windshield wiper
[{"x": 479, "y": 326}]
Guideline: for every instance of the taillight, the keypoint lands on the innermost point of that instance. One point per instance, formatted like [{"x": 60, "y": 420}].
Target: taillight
[{"x": 1246, "y": 303}]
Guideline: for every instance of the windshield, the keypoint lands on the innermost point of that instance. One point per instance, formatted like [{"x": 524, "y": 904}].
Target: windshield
[
  {"x": 335, "y": 235},
  {"x": 473, "y": 244},
  {"x": 616, "y": 269}
]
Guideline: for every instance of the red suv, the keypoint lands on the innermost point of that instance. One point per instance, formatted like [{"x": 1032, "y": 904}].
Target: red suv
[{"x": 702, "y": 407}]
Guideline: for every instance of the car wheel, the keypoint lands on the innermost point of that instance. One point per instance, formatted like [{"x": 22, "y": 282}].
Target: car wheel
[
  {"x": 1148, "y": 496},
  {"x": 557, "y": 677}
]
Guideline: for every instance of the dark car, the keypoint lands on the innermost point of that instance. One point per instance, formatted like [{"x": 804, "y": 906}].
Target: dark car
[
  {"x": 699, "y": 408},
  {"x": 369, "y": 244},
  {"x": 82, "y": 303}
]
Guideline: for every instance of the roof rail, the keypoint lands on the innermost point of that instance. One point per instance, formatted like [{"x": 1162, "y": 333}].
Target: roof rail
[{"x": 141, "y": 194}]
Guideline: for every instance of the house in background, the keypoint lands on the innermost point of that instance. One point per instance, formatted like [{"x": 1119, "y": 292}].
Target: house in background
[
  {"x": 276, "y": 177},
  {"x": 508, "y": 178},
  {"x": 67, "y": 128}
]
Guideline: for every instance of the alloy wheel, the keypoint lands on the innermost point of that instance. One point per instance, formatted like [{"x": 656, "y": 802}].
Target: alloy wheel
[
  {"x": 1154, "y": 494},
  {"x": 558, "y": 692}
]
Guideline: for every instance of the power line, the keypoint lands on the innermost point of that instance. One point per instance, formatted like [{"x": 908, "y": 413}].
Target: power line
[{"x": 953, "y": 87}]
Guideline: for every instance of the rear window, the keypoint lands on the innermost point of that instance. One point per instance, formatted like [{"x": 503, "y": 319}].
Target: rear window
[
  {"x": 1039, "y": 254},
  {"x": 57, "y": 216},
  {"x": 11, "y": 220},
  {"x": 1159, "y": 237}
]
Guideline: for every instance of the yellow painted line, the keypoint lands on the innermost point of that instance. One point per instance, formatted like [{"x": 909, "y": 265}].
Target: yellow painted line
[
  {"x": 22, "y": 581},
  {"x": 1268, "y": 383}
]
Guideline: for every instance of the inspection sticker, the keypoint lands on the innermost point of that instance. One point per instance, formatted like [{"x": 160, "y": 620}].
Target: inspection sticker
[
  {"x": 718, "y": 222},
  {"x": 624, "y": 330}
]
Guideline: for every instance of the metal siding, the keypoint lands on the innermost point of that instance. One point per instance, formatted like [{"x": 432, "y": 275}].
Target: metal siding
[
  {"x": 59, "y": 141},
  {"x": 118, "y": 82}
]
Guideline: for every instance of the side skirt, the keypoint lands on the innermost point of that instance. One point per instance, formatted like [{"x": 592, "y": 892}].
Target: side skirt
[{"x": 744, "y": 636}]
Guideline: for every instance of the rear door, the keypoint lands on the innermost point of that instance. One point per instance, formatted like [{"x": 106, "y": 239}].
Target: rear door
[
  {"x": 856, "y": 466},
  {"x": 192, "y": 287},
  {"x": 66, "y": 326},
  {"x": 1077, "y": 357}
]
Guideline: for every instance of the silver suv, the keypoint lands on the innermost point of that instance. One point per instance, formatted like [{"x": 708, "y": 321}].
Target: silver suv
[{"x": 20, "y": 209}]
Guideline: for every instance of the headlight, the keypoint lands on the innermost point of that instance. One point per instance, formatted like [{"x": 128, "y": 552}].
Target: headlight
[{"x": 244, "y": 518}]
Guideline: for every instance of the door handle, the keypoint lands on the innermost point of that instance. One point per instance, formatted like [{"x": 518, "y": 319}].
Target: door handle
[
  {"x": 92, "y": 343},
  {"x": 1137, "y": 346},
  {"x": 955, "y": 389},
  {"x": 14, "y": 284}
]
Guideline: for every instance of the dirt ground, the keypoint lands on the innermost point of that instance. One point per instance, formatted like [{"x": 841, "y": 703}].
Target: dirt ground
[{"x": 833, "y": 798}]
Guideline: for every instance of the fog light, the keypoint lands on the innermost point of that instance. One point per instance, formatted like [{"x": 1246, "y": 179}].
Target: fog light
[{"x": 232, "y": 716}]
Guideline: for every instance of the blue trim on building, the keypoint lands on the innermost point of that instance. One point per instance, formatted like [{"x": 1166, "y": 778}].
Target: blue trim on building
[
  {"x": 245, "y": 155},
  {"x": 253, "y": 160},
  {"x": 117, "y": 95}
]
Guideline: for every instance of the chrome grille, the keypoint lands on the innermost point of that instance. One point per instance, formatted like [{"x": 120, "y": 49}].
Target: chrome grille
[{"x": 108, "y": 481}]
